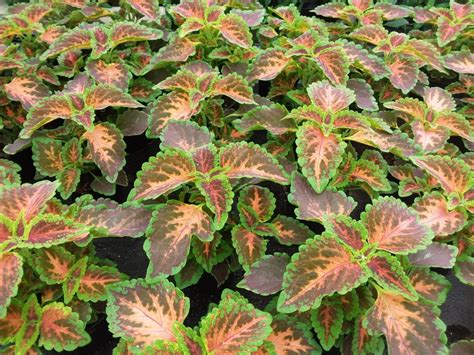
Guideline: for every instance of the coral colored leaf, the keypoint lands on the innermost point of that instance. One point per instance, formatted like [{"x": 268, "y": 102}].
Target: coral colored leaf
[
  {"x": 461, "y": 62},
  {"x": 148, "y": 8},
  {"x": 268, "y": 65},
  {"x": 205, "y": 158},
  {"x": 404, "y": 74},
  {"x": 334, "y": 64},
  {"x": 31, "y": 319},
  {"x": 234, "y": 29},
  {"x": 413, "y": 107},
  {"x": 394, "y": 227},
  {"x": 448, "y": 31},
  {"x": 117, "y": 220},
  {"x": 162, "y": 174},
  {"x": 10, "y": 324},
  {"x": 373, "y": 34},
  {"x": 94, "y": 282},
  {"x": 457, "y": 124},
  {"x": 46, "y": 110},
  {"x": 107, "y": 149},
  {"x": 112, "y": 74},
  {"x": 271, "y": 118},
  {"x": 144, "y": 313},
  {"x": 330, "y": 98},
  {"x": 320, "y": 268},
  {"x": 371, "y": 174},
  {"x": 360, "y": 58},
  {"x": 289, "y": 335},
  {"x": 190, "y": 337},
  {"x": 69, "y": 179},
  {"x": 209, "y": 254},
  {"x": 72, "y": 152},
  {"x": 53, "y": 264},
  {"x": 178, "y": 50},
  {"x": 289, "y": 231},
  {"x": 73, "y": 279},
  {"x": 219, "y": 197},
  {"x": 131, "y": 32},
  {"x": 173, "y": 106},
  {"x": 327, "y": 321},
  {"x": 234, "y": 327},
  {"x": 189, "y": 275},
  {"x": 313, "y": 206},
  {"x": 318, "y": 155},
  {"x": 363, "y": 343},
  {"x": 249, "y": 246},
  {"x": 408, "y": 326},
  {"x": 73, "y": 39},
  {"x": 453, "y": 174},
  {"x": 250, "y": 160},
  {"x": 169, "y": 237},
  {"x": 464, "y": 269},
  {"x": 184, "y": 79},
  {"x": 27, "y": 90},
  {"x": 364, "y": 95},
  {"x": 61, "y": 329},
  {"x": 30, "y": 199},
  {"x": 260, "y": 200},
  {"x": 426, "y": 52},
  {"x": 265, "y": 277},
  {"x": 47, "y": 156},
  {"x": 184, "y": 135},
  {"x": 433, "y": 211},
  {"x": 51, "y": 229},
  {"x": 351, "y": 232},
  {"x": 235, "y": 87},
  {"x": 11, "y": 266},
  {"x": 430, "y": 139},
  {"x": 389, "y": 273},
  {"x": 435, "y": 255},
  {"x": 103, "y": 96},
  {"x": 430, "y": 285},
  {"x": 438, "y": 99}
]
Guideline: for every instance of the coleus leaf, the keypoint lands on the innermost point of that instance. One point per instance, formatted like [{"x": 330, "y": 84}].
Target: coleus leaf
[
  {"x": 327, "y": 321},
  {"x": 103, "y": 95},
  {"x": 61, "y": 329},
  {"x": 69, "y": 179},
  {"x": 404, "y": 74},
  {"x": 430, "y": 139},
  {"x": 31, "y": 319},
  {"x": 334, "y": 64},
  {"x": 364, "y": 95},
  {"x": 73, "y": 278},
  {"x": 260, "y": 200},
  {"x": 433, "y": 211},
  {"x": 234, "y": 29},
  {"x": 107, "y": 149},
  {"x": 11, "y": 266},
  {"x": 234, "y": 326},
  {"x": 169, "y": 237},
  {"x": 249, "y": 246},
  {"x": 461, "y": 62},
  {"x": 363, "y": 343},
  {"x": 389, "y": 273},
  {"x": 73, "y": 39},
  {"x": 457, "y": 124},
  {"x": 47, "y": 156},
  {"x": 265, "y": 277},
  {"x": 148, "y": 8},
  {"x": 185, "y": 135},
  {"x": 453, "y": 174},
  {"x": 290, "y": 335},
  {"x": 126, "y": 31},
  {"x": 373, "y": 34},
  {"x": 430, "y": 285},
  {"x": 268, "y": 65},
  {"x": 464, "y": 269},
  {"x": 211, "y": 253},
  {"x": 118, "y": 220},
  {"x": 27, "y": 90},
  {"x": 112, "y": 74},
  {"x": 189, "y": 275},
  {"x": 371, "y": 174},
  {"x": 361, "y": 58},
  {"x": 394, "y": 227},
  {"x": 329, "y": 97},
  {"x": 10, "y": 323},
  {"x": 313, "y": 206},
  {"x": 178, "y": 50},
  {"x": 289, "y": 231},
  {"x": 235, "y": 87},
  {"x": 162, "y": 302},
  {"x": 270, "y": 118},
  {"x": 407, "y": 325},
  {"x": 219, "y": 196},
  {"x": 93, "y": 284},
  {"x": 250, "y": 160},
  {"x": 320, "y": 268},
  {"x": 435, "y": 255},
  {"x": 162, "y": 174},
  {"x": 351, "y": 232},
  {"x": 52, "y": 264},
  {"x": 205, "y": 158},
  {"x": 319, "y": 154}
]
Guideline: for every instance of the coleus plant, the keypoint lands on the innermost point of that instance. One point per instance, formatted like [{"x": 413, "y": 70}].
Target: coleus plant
[{"x": 238, "y": 101}]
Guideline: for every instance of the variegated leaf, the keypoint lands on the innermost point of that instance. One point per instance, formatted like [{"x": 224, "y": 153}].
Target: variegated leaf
[
  {"x": 61, "y": 329},
  {"x": 47, "y": 156},
  {"x": 107, "y": 149},
  {"x": 260, "y": 200},
  {"x": 320, "y": 268},
  {"x": 125, "y": 31},
  {"x": 53, "y": 264},
  {"x": 268, "y": 65},
  {"x": 234, "y": 29},
  {"x": 31, "y": 319},
  {"x": 103, "y": 96},
  {"x": 73, "y": 39},
  {"x": 112, "y": 74},
  {"x": 10, "y": 323},
  {"x": 313, "y": 206},
  {"x": 327, "y": 321},
  {"x": 329, "y": 97},
  {"x": 185, "y": 135},
  {"x": 464, "y": 269},
  {"x": 457, "y": 124},
  {"x": 27, "y": 90},
  {"x": 289, "y": 231},
  {"x": 11, "y": 266},
  {"x": 250, "y": 160},
  {"x": 408, "y": 326},
  {"x": 235, "y": 87},
  {"x": 178, "y": 50},
  {"x": 334, "y": 64},
  {"x": 430, "y": 285},
  {"x": 69, "y": 179},
  {"x": 94, "y": 282},
  {"x": 144, "y": 313},
  {"x": 209, "y": 254},
  {"x": 404, "y": 74},
  {"x": 169, "y": 237},
  {"x": 148, "y": 8},
  {"x": 265, "y": 277},
  {"x": 319, "y": 155},
  {"x": 234, "y": 326},
  {"x": 351, "y": 232},
  {"x": 430, "y": 139},
  {"x": 461, "y": 62},
  {"x": 271, "y": 118},
  {"x": 364, "y": 95},
  {"x": 435, "y": 255},
  {"x": 219, "y": 197},
  {"x": 249, "y": 246},
  {"x": 162, "y": 174}
]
